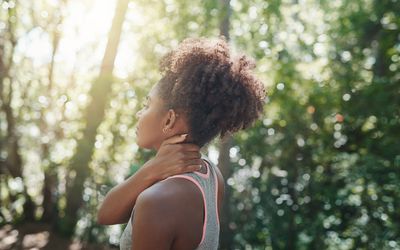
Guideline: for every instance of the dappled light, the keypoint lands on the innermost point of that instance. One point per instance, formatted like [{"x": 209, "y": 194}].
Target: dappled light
[{"x": 319, "y": 169}]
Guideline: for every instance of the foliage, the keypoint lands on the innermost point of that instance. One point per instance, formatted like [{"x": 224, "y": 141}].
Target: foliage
[{"x": 320, "y": 170}]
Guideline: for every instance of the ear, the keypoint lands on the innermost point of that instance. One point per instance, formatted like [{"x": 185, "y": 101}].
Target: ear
[{"x": 170, "y": 119}]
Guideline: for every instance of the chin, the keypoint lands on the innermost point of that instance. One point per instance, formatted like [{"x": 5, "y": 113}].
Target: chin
[{"x": 143, "y": 145}]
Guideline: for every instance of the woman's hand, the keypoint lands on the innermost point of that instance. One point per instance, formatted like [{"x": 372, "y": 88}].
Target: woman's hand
[{"x": 173, "y": 157}]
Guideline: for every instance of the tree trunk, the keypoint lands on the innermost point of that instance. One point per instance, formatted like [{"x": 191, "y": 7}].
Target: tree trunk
[
  {"x": 50, "y": 174},
  {"x": 13, "y": 162},
  {"x": 99, "y": 94}
]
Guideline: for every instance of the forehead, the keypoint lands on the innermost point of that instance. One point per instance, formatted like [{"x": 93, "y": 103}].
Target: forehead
[
  {"x": 152, "y": 95},
  {"x": 152, "y": 92}
]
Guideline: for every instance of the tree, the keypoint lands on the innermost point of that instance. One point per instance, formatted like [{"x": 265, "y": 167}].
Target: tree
[
  {"x": 12, "y": 166},
  {"x": 99, "y": 94}
]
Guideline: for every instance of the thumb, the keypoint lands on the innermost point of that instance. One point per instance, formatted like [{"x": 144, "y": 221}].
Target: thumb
[{"x": 175, "y": 139}]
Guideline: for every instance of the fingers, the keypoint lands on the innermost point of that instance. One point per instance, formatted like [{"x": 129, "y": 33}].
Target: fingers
[
  {"x": 192, "y": 155},
  {"x": 190, "y": 147},
  {"x": 175, "y": 139}
]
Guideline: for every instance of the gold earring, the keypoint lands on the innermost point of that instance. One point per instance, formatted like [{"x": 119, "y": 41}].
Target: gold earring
[{"x": 165, "y": 130}]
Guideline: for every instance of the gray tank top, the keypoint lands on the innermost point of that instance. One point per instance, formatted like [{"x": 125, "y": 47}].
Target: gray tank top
[{"x": 208, "y": 185}]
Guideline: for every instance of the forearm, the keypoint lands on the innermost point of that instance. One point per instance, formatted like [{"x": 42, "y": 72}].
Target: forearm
[{"x": 119, "y": 201}]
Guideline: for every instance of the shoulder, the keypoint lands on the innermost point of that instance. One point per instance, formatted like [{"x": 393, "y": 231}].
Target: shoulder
[
  {"x": 167, "y": 196},
  {"x": 166, "y": 190},
  {"x": 160, "y": 212}
]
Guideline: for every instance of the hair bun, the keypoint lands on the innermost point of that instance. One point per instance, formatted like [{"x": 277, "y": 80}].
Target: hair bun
[{"x": 217, "y": 90}]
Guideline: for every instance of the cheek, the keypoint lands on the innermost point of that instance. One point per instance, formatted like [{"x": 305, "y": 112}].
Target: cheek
[{"x": 149, "y": 130}]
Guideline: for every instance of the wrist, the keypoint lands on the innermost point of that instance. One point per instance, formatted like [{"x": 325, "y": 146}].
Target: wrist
[{"x": 147, "y": 172}]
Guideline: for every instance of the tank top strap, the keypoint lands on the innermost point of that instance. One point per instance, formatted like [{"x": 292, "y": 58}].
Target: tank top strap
[{"x": 190, "y": 178}]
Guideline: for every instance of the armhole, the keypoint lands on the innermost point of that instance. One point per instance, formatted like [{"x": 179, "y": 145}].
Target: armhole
[{"x": 204, "y": 201}]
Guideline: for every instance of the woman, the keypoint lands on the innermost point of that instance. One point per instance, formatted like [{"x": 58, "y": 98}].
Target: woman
[{"x": 204, "y": 92}]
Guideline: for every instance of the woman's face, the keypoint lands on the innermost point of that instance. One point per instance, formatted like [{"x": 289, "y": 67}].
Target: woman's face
[{"x": 153, "y": 118}]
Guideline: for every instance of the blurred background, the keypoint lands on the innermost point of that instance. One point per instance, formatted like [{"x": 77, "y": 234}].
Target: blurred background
[{"x": 319, "y": 170}]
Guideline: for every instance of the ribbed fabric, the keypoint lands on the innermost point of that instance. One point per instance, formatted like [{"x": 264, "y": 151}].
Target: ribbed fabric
[{"x": 208, "y": 185}]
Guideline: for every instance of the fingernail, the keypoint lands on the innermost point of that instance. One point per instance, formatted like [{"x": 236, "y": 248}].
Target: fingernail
[{"x": 184, "y": 135}]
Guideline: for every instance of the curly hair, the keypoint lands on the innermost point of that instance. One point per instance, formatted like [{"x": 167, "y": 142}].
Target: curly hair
[{"x": 218, "y": 92}]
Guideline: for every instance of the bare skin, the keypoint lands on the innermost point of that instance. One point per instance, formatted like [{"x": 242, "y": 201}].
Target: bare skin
[
  {"x": 173, "y": 158},
  {"x": 168, "y": 214}
]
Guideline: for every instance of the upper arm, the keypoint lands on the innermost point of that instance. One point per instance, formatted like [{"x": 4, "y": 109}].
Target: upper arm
[{"x": 153, "y": 220}]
